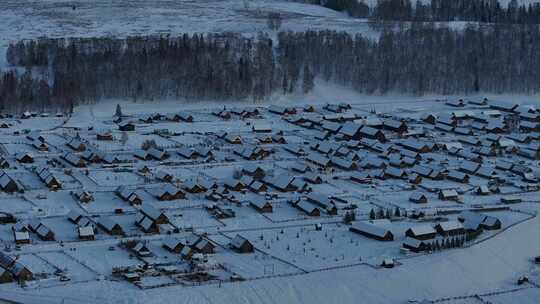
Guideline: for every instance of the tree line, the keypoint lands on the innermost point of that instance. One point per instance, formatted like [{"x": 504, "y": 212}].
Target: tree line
[
  {"x": 418, "y": 59},
  {"x": 486, "y": 11}
]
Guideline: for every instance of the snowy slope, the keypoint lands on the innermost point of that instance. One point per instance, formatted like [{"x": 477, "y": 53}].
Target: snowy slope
[{"x": 25, "y": 19}]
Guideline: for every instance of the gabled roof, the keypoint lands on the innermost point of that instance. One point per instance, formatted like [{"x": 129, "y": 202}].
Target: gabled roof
[
  {"x": 86, "y": 231},
  {"x": 457, "y": 175},
  {"x": 350, "y": 129},
  {"x": 238, "y": 241},
  {"x": 416, "y": 196},
  {"x": 422, "y": 230},
  {"x": 318, "y": 159},
  {"x": 306, "y": 206},
  {"x": 259, "y": 201},
  {"x": 74, "y": 215},
  {"x": 449, "y": 193},
  {"x": 370, "y": 228},
  {"x": 172, "y": 243},
  {"x": 146, "y": 223},
  {"x": 108, "y": 223},
  {"x": 450, "y": 225},
  {"x": 469, "y": 166},
  {"x": 150, "y": 211}
]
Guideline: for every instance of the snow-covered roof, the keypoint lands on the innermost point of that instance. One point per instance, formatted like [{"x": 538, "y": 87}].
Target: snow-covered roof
[{"x": 370, "y": 228}]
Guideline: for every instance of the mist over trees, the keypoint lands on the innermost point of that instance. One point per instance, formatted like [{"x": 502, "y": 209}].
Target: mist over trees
[{"x": 417, "y": 59}]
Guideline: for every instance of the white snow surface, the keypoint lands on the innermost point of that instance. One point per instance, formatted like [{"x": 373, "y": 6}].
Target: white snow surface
[
  {"x": 26, "y": 19},
  {"x": 485, "y": 267}
]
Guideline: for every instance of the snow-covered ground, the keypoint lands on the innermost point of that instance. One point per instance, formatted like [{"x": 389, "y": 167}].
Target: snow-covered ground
[{"x": 26, "y": 19}]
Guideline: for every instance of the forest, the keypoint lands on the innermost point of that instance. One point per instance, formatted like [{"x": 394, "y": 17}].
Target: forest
[
  {"x": 419, "y": 59},
  {"x": 487, "y": 11}
]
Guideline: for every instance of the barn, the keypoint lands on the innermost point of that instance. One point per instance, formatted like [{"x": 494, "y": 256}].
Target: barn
[
  {"x": 450, "y": 228},
  {"x": 371, "y": 230},
  {"x": 421, "y": 232}
]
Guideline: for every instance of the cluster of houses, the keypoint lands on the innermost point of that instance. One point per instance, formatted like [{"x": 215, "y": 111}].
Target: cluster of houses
[
  {"x": 496, "y": 143},
  {"x": 172, "y": 117},
  {"x": 85, "y": 227},
  {"x": 149, "y": 218},
  {"x": 454, "y": 232},
  {"x": 187, "y": 248},
  {"x": 427, "y": 237},
  {"x": 11, "y": 270}
]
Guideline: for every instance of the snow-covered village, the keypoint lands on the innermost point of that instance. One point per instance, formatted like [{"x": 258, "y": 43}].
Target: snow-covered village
[
  {"x": 152, "y": 200},
  {"x": 284, "y": 151}
]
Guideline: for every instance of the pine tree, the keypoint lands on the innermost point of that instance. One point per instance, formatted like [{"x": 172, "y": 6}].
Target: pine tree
[
  {"x": 372, "y": 214},
  {"x": 118, "y": 112}
]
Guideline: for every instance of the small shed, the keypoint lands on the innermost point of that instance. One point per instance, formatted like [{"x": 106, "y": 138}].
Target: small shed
[
  {"x": 241, "y": 244},
  {"x": 86, "y": 233},
  {"x": 418, "y": 197}
]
